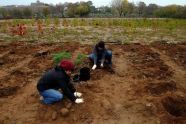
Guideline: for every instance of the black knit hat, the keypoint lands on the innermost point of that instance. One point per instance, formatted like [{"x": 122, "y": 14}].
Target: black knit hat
[{"x": 101, "y": 44}]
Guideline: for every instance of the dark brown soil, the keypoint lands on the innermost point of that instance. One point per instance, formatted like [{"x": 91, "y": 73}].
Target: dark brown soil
[
  {"x": 140, "y": 91},
  {"x": 6, "y": 91},
  {"x": 176, "y": 51},
  {"x": 175, "y": 106},
  {"x": 147, "y": 62},
  {"x": 161, "y": 87}
]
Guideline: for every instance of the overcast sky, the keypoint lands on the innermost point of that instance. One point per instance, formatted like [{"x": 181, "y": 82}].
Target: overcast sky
[{"x": 95, "y": 2}]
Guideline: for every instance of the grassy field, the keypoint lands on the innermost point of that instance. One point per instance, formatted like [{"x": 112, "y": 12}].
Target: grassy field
[{"x": 91, "y": 30}]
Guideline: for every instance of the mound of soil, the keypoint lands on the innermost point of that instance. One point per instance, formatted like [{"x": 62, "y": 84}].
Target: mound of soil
[
  {"x": 161, "y": 87},
  {"x": 177, "y": 52}
]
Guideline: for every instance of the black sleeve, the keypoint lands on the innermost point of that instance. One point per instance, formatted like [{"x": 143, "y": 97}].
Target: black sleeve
[
  {"x": 66, "y": 90},
  {"x": 71, "y": 87}
]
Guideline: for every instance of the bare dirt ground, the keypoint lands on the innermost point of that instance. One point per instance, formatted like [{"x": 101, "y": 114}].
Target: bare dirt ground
[{"x": 148, "y": 86}]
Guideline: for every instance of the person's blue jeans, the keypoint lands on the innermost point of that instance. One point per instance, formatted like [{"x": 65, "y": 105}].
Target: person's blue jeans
[
  {"x": 51, "y": 96},
  {"x": 108, "y": 58}
]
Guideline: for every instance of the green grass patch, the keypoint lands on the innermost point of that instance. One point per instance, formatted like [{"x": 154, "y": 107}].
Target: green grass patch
[
  {"x": 60, "y": 56},
  {"x": 80, "y": 58}
]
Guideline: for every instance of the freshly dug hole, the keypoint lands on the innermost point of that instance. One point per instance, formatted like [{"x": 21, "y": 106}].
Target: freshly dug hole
[{"x": 175, "y": 106}]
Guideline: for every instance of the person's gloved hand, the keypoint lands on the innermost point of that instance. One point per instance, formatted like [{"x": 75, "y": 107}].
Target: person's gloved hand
[
  {"x": 77, "y": 94},
  {"x": 102, "y": 65},
  {"x": 94, "y": 67},
  {"x": 79, "y": 101}
]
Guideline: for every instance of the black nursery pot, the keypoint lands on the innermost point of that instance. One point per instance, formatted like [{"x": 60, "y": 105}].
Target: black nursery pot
[{"x": 84, "y": 74}]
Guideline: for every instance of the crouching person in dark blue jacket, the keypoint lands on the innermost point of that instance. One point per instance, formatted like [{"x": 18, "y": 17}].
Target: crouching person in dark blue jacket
[
  {"x": 101, "y": 56},
  {"x": 55, "y": 79}
]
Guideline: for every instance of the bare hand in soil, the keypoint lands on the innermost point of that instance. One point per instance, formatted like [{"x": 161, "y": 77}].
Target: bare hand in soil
[
  {"x": 79, "y": 100},
  {"x": 77, "y": 94}
]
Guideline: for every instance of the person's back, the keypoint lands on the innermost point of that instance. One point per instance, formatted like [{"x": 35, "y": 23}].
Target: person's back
[
  {"x": 50, "y": 79},
  {"x": 55, "y": 79}
]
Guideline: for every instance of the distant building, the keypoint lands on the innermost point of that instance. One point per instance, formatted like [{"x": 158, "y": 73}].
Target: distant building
[
  {"x": 66, "y": 8},
  {"x": 37, "y": 4},
  {"x": 37, "y": 8}
]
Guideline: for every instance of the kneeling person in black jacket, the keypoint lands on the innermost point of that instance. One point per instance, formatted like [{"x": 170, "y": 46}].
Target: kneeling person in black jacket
[{"x": 55, "y": 79}]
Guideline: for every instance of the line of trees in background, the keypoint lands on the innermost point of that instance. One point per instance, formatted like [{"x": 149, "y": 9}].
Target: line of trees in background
[{"x": 118, "y": 8}]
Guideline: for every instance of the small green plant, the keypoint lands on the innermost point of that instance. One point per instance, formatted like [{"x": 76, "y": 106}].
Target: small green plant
[
  {"x": 80, "y": 58},
  {"x": 32, "y": 22},
  {"x": 75, "y": 22},
  {"x": 60, "y": 56},
  {"x": 65, "y": 23},
  {"x": 47, "y": 21}
]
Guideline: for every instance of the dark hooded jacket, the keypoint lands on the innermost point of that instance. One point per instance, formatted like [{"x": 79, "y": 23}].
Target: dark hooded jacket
[{"x": 57, "y": 79}]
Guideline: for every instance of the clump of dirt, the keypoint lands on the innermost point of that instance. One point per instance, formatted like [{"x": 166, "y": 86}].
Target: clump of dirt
[
  {"x": 64, "y": 112},
  {"x": 175, "y": 106},
  {"x": 7, "y": 91},
  {"x": 161, "y": 87}
]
